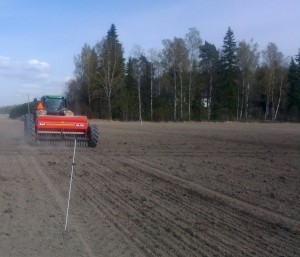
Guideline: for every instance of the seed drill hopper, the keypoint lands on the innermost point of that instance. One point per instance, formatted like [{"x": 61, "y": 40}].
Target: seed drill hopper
[{"x": 52, "y": 123}]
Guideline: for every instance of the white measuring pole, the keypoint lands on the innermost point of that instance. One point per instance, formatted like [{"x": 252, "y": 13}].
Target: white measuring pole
[{"x": 73, "y": 163}]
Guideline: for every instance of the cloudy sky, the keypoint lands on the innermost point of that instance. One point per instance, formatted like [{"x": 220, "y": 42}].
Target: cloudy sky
[{"x": 39, "y": 39}]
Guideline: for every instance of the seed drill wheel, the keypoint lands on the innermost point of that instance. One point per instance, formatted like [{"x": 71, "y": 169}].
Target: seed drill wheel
[{"x": 93, "y": 136}]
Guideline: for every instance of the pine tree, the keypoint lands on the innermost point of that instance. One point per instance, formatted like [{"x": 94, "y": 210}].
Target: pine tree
[
  {"x": 293, "y": 107},
  {"x": 111, "y": 66},
  {"x": 129, "y": 95},
  {"x": 146, "y": 87},
  {"x": 228, "y": 85}
]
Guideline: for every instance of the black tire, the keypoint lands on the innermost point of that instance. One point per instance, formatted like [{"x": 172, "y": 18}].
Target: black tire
[
  {"x": 93, "y": 136},
  {"x": 29, "y": 127}
]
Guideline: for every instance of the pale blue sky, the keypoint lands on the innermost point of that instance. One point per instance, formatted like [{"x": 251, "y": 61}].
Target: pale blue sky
[{"x": 39, "y": 38}]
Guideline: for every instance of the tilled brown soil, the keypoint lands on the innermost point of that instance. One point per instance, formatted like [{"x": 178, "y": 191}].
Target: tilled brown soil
[{"x": 157, "y": 189}]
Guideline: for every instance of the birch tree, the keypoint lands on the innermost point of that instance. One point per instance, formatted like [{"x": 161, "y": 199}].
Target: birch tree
[
  {"x": 82, "y": 63},
  {"x": 176, "y": 58},
  {"x": 274, "y": 62},
  {"x": 138, "y": 71},
  {"x": 193, "y": 43},
  {"x": 248, "y": 57},
  {"x": 182, "y": 62},
  {"x": 209, "y": 57},
  {"x": 155, "y": 73},
  {"x": 72, "y": 92}
]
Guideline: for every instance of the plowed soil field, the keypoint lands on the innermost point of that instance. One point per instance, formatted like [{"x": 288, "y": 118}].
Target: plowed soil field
[{"x": 157, "y": 189}]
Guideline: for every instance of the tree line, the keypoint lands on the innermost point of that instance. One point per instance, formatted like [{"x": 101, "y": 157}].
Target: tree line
[{"x": 187, "y": 79}]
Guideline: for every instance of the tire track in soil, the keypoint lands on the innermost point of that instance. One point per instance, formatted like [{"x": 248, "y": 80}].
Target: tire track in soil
[
  {"x": 210, "y": 210},
  {"x": 140, "y": 231},
  {"x": 87, "y": 194},
  {"x": 61, "y": 202},
  {"x": 181, "y": 226},
  {"x": 235, "y": 201},
  {"x": 31, "y": 217},
  {"x": 108, "y": 209},
  {"x": 266, "y": 216},
  {"x": 114, "y": 192},
  {"x": 100, "y": 233},
  {"x": 237, "y": 186},
  {"x": 10, "y": 206},
  {"x": 257, "y": 222},
  {"x": 33, "y": 170}
]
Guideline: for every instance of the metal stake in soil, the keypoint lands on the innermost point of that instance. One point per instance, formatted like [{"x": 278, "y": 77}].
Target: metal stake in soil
[{"x": 73, "y": 163}]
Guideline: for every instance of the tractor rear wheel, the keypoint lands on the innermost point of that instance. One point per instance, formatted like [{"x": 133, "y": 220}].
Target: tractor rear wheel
[
  {"x": 29, "y": 127},
  {"x": 93, "y": 136}
]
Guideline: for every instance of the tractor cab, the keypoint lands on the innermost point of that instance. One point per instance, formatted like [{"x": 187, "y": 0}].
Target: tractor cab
[{"x": 54, "y": 105}]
